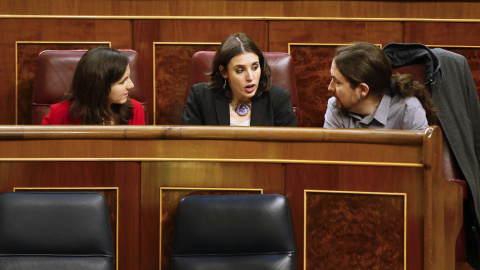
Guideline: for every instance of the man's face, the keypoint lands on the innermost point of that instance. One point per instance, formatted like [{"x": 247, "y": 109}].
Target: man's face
[{"x": 346, "y": 97}]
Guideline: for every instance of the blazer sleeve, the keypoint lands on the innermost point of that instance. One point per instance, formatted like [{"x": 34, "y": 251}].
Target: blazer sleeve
[
  {"x": 58, "y": 115},
  {"x": 284, "y": 115},
  {"x": 46, "y": 120},
  {"x": 193, "y": 113}
]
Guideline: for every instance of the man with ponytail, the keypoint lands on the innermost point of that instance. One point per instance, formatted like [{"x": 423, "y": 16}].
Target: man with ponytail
[{"x": 365, "y": 93}]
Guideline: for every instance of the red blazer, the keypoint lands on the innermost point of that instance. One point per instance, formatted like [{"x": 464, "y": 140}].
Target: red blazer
[{"x": 59, "y": 114}]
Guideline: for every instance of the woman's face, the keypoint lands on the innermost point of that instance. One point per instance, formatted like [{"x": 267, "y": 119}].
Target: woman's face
[
  {"x": 243, "y": 75},
  {"x": 119, "y": 90}
]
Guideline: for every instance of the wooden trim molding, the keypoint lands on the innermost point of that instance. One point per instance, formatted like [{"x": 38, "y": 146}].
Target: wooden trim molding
[
  {"x": 261, "y": 18},
  {"x": 79, "y": 132}
]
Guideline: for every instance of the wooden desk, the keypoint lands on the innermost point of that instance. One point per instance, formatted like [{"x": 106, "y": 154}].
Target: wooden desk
[{"x": 360, "y": 199}]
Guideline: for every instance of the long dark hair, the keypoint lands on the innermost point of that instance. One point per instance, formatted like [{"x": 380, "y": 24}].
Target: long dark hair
[
  {"x": 232, "y": 46},
  {"x": 96, "y": 71},
  {"x": 363, "y": 62}
]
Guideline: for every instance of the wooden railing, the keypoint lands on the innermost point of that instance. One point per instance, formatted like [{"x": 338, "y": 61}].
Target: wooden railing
[{"x": 360, "y": 199}]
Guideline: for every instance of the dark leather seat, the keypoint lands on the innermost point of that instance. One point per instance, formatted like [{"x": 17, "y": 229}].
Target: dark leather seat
[
  {"x": 54, "y": 74},
  {"x": 234, "y": 232},
  {"x": 45, "y": 231},
  {"x": 283, "y": 73}
]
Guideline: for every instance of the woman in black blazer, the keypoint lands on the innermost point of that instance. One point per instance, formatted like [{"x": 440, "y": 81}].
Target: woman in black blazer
[{"x": 239, "y": 92}]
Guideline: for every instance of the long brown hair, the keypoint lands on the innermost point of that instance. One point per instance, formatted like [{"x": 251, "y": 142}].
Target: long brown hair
[
  {"x": 407, "y": 86},
  {"x": 363, "y": 62},
  {"x": 96, "y": 71}
]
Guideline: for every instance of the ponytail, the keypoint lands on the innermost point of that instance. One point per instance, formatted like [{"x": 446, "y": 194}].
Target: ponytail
[{"x": 405, "y": 86}]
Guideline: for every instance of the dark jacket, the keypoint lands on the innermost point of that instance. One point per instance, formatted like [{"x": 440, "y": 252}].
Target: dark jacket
[
  {"x": 455, "y": 96},
  {"x": 211, "y": 107}
]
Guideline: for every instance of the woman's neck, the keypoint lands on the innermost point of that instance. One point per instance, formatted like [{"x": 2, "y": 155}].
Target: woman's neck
[{"x": 241, "y": 101}]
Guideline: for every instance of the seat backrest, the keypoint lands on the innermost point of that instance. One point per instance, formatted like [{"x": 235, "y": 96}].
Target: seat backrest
[
  {"x": 283, "y": 73},
  {"x": 418, "y": 71},
  {"x": 234, "y": 232},
  {"x": 54, "y": 75},
  {"x": 55, "y": 231}
]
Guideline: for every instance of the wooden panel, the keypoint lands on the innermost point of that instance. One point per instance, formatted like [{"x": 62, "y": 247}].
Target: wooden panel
[
  {"x": 118, "y": 32},
  {"x": 155, "y": 175},
  {"x": 281, "y": 33},
  {"x": 275, "y": 160},
  {"x": 291, "y": 145},
  {"x": 442, "y": 33},
  {"x": 361, "y": 179},
  {"x": 355, "y": 230},
  {"x": 438, "y": 217},
  {"x": 174, "y": 70},
  {"x": 56, "y": 175},
  {"x": 171, "y": 73},
  {"x": 300, "y": 8},
  {"x": 169, "y": 198},
  {"x": 26, "y": 63},
  {"x": 312, "y": 73}
]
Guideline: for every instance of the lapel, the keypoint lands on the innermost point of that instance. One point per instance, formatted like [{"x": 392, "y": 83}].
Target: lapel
[
  {"x": 259, "y": 106},
  {"x": 222, "y": 109}
]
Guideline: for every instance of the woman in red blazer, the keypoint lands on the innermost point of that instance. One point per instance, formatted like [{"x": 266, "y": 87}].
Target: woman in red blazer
[{"x": 99, "y": 93}]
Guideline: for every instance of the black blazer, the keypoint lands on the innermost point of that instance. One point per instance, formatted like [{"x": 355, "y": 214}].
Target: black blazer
[{"x": 211, "y": 107}]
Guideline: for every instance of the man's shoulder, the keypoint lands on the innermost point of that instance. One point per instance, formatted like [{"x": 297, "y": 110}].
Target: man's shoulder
[
  {"x": 413, "y": 102},
  {"x": 200, "y": 86},
  {"x": 202, "y": 89},
  {"x": 410, "y": 102}
]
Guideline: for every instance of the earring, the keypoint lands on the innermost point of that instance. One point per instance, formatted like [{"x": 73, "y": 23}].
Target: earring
[{"x": 225, "y": 84}]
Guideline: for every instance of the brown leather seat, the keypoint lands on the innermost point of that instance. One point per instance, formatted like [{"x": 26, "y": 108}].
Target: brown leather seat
[
  {"x": 283, "y": 74},
  {"x": 53, "y": 78}
]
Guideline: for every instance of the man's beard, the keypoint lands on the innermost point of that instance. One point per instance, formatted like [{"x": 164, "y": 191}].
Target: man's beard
[{"x": 339, "y": 104}]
